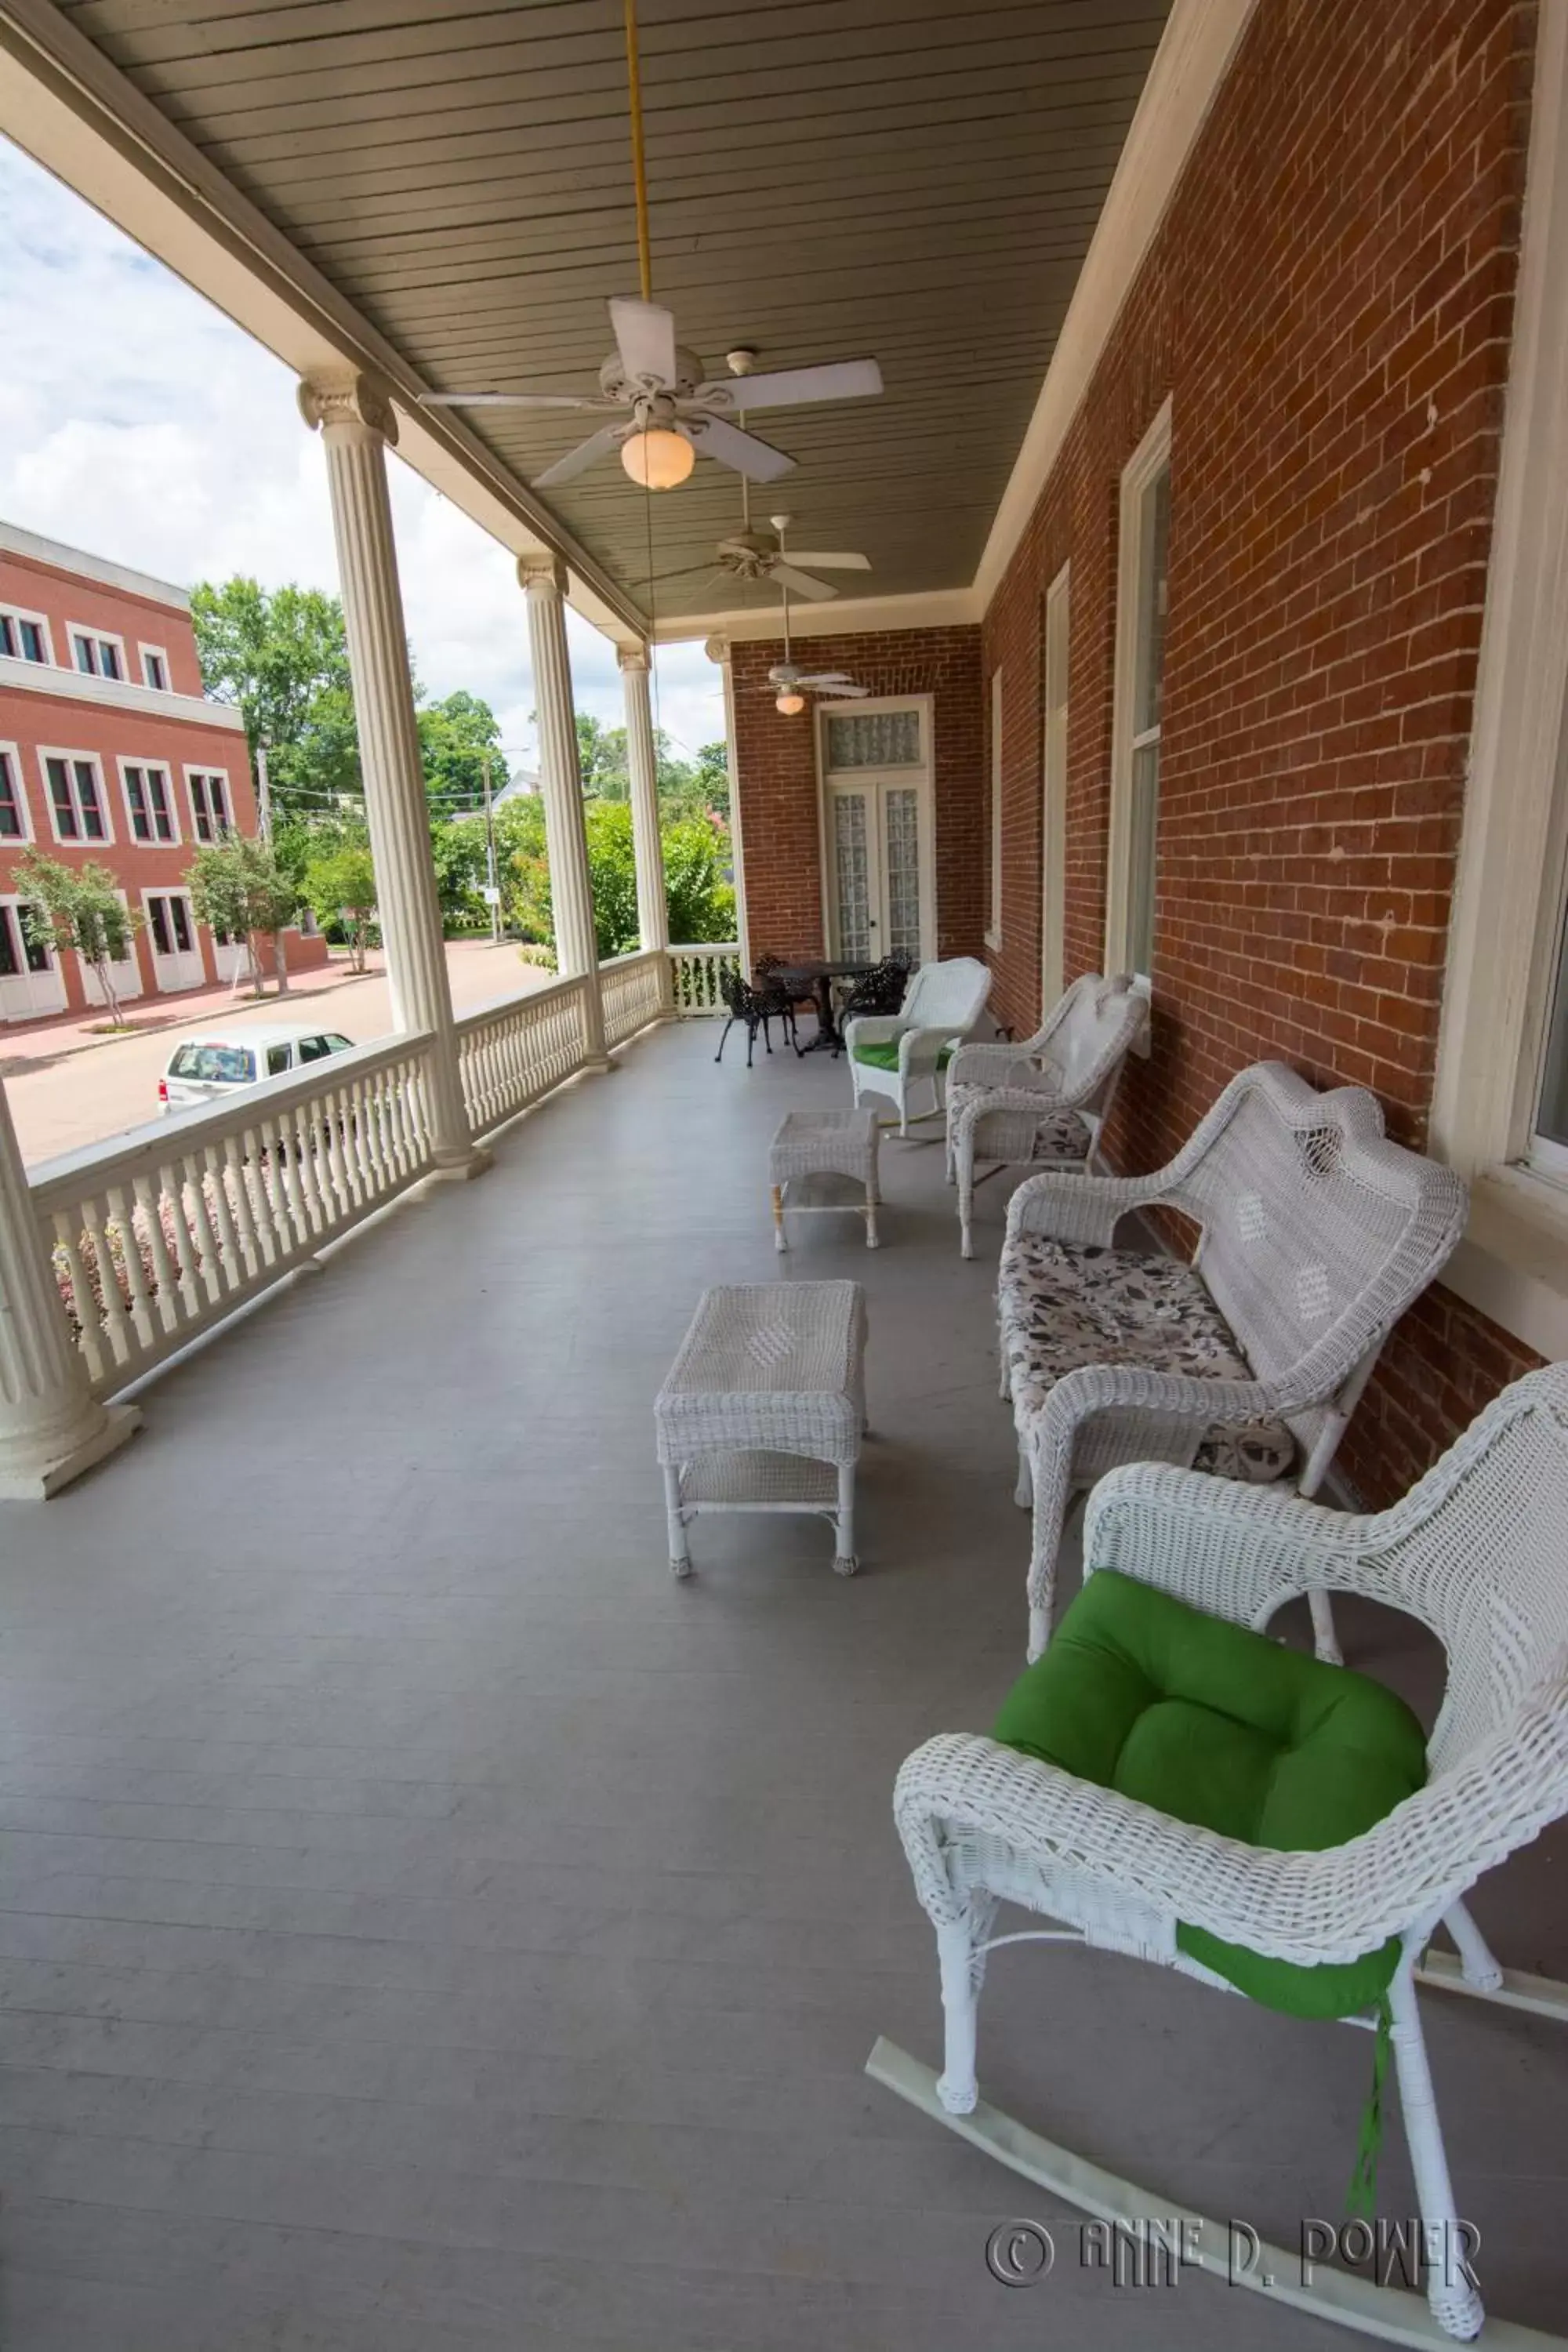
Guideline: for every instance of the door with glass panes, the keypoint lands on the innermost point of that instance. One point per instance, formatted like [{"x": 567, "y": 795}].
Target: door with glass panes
[
  {"x": 172, "y": 932},
  {"x": 31, "y": 981},
  {"x": 876, "y": 762}
]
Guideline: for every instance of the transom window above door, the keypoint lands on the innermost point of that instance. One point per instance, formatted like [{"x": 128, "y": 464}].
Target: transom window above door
[
  {"x": 76, "y": 797},
  {"x": 874, "y": 739}
]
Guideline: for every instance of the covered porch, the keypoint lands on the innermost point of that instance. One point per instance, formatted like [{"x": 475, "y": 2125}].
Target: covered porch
[{"x": 426, "y": 1921}]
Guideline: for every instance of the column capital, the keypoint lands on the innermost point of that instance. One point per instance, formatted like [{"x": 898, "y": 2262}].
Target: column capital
[
  {"x": 717, "y": 649},
  {"x": 633, "y": 657},
  {"x": 348, "y": 399},
  {"x": 539, "y": 568}
]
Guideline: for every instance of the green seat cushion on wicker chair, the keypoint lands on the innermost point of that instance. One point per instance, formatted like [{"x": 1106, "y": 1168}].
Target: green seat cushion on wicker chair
[
  {"x": 882, "y": 1053},
  {"x": 1223, "y": 1727}
]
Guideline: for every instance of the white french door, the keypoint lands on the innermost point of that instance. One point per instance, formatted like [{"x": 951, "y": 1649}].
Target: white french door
[
  {"x": 124, "y": 976},
  {"x": 31, "y": 981},
  {"x": 879, "y": 884},
  {"x": 176, "y": 949}
]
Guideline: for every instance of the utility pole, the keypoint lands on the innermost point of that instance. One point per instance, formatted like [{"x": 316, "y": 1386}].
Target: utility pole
[
  {"x": 263, "y": 794},
  {"x": 492, "y": 889}
]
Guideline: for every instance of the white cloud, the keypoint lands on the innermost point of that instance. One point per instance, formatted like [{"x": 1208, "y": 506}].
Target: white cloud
[{"x": 138, "y": 423}]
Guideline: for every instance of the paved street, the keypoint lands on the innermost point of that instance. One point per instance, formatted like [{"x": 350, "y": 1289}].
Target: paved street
[{"x": 67, "y": 1087}]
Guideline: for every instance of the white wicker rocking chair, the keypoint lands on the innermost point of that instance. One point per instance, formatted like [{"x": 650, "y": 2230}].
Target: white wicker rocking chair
[
  {"x": 1479, "y": 1552},
  {"x": 1046, "y": 1101},
  {"x": 1315, "y": 1233}
]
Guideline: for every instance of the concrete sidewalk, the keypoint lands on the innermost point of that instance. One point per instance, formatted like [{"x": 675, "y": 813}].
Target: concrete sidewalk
[{"x": 67, "y": 1087}]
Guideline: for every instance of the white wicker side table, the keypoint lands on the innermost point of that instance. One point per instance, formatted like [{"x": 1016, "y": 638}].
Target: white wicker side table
[
  {"x": 764, "y": 1408},
  {"x": 824, "y": 1159}
]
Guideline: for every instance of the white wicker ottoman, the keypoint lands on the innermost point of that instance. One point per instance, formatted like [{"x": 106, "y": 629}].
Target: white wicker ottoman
[
  {"x": 764, "y": 1408},
  {"x": 824, "y": 1159}
]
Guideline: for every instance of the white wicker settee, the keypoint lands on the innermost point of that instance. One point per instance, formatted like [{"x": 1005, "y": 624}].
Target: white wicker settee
[
  {"x": 1047, "y": 1101},
  {"x": 1315, "y": 1233},
  {"x": 1479, "y": 1552}
]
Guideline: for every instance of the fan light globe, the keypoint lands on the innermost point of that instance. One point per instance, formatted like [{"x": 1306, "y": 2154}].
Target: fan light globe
[
  {"x": 658, "y": 459},
  {"x": 790, "y": 702}
]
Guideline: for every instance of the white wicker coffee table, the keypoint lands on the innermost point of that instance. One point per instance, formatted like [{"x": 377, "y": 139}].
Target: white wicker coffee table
[
  {"x": 764, "y": 1408},
  {"x": 824, "y": 1159}
]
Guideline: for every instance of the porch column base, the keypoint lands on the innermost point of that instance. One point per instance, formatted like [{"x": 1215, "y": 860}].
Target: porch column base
[
  {"x": 463, "y": 1168},
  {"x": 35, "y": 1482}
]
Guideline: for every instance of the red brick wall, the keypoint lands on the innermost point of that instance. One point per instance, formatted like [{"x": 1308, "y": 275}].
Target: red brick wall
[
  {"x": 775, "y": 759},
  {"x": 1328, "y": 304},
  {"x": 65, "y": 598}
]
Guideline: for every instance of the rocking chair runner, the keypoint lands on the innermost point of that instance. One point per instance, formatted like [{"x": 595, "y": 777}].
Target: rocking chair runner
[
  {"x": 755, "y": 1008},
  {"x": 1475, "y": 1551}
]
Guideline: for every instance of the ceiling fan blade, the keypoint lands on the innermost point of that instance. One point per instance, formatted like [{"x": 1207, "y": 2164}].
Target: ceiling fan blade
[
  {"x": 816, "y": 591},
  {"x": 514, "y": 400},
  {"x": 712, "y": 438},
  {"x": 838, "y": 687},
  {"x": 577, "y": 461},
  {"x": 645, "y": 338},
  {"x": 787, "y": 387},
  {"x": 832, "y": 562}
]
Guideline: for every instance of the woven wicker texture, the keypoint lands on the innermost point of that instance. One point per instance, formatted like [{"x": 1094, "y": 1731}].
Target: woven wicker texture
[
  {"x": 824, "y": 1142},
  {"x": 1046, "y": 1099},
  {"x": 775, "y": 1367},
  {"x": 1316, "y": 1233}
]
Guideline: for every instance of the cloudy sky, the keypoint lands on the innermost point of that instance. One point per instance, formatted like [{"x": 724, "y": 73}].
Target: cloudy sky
[{"x": 137, "y": 421}]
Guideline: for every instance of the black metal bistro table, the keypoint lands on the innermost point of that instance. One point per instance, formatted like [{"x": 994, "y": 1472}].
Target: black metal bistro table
[{"x": 816, "y": 979}]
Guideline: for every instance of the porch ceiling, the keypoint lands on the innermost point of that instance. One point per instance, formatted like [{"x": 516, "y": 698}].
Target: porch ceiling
[{"x": 828, "y": 178}]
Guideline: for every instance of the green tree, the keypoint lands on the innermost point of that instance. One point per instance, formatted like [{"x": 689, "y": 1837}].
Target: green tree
[
  {"x": 458, "y": 852},
  {"x": 711, "y": 778},
  {"x": 78, "y": 907},
  {"x": 701, "y": 903},
  {"x": 237, "y": 885},
  {"x": 601, "y": 758},
  {"x": 454, "y": 736},
  {"x": 340, "y": 886},
  {"x": 282, "y": 656},
  {"x": 700, "y": 900}
]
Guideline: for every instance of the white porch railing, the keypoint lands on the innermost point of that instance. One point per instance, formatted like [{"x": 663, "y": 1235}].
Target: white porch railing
[
  {"x": 634, "y": 989},
  {"x": 511, "y": 1053},
  {"x": 695, "y": 972},
  {"x": 173, "y": 1227}
]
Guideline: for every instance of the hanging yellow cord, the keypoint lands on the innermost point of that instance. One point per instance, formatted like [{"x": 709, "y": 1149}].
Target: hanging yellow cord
[{"x": 639, "y": 166}]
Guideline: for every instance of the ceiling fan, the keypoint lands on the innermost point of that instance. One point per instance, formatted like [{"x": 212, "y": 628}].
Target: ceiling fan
[
  {"x": 671, "y": 412},
  {"x": 751, "y": 560},
  {"x": 786, "y": 679}
]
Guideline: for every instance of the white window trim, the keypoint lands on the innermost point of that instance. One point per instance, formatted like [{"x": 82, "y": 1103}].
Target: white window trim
[
  {"x": 994, "y": 898},
  {"x": 48, "y": 752},
  {"x": 1151, "y": 455},
  {"x": 162, "y": 653},
  {"x": 75, "y": 629},
  {"x": 124, "y": 759},
  {"x": 205, "y": 768},
  {"x": 1056, "y": 610},
  {"x": 1513, "y": 1262},
  {"x": 923, "y": 778},
  {"x": 21, "y": 613},
  {"x": 13, "y": 841},
  {"x": 171, "y": 891}
]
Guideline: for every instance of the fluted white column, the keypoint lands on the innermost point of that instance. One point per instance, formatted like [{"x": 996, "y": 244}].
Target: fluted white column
[
  {"x": 718, "y": 650},
  {"x": 642, "y": 767},
  {"x": 51, "y": 1426},
  {"x": 561, "y": 783},
  {"x": 356, "y": 424}
]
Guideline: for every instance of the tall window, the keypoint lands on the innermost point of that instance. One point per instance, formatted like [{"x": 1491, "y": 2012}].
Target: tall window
[
  {"x": 156, "y": 668},
  {"x": 994, "y": 914},
  {"x": 13, "y": 814},
  {"x": 23, "y": 637},
  {"x": 209, "y": 804},
  {"x": 150, "y": 805},
  {"x": 76, "y": 798},
  {"x": 1142, "y": 600}
]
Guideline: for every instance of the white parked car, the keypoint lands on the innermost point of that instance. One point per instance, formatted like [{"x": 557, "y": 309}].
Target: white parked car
[{"x": 204, "y": 1069}]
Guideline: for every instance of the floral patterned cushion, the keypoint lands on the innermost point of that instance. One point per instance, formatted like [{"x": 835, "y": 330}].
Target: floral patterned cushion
[
  {"x": 1061, "y": 1135},
  {"x": 1066, "y": 1304}
]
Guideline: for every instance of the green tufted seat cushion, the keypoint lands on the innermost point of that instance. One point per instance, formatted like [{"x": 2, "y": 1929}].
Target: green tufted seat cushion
[
  {"x": 1223, "y": 1727},
  {"x": 882, "y": 1053}
]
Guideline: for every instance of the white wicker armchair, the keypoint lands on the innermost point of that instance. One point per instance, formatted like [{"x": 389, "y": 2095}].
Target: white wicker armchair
[
  {"x": 1479, "y": 1552},
  {"x": 894, "y": 1053},
  {"x": 1046, "y": 1101},
  {"x": 1315, "y": 1233}
]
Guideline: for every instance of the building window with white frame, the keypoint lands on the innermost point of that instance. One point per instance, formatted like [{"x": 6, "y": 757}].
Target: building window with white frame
[
  {"x": 210, "y": 807},
  {"x": 76, "y": 806},
  {"x": 96, "y": 655},
  {"x": 24, "y": 636},
  {"x": 994, "y": 911},
  {"x": 149, "y": 802},
  {"x": 13, "y": 801},
  {"x": 1143, "y": 606},
  {"x": 155, "y": 669}
]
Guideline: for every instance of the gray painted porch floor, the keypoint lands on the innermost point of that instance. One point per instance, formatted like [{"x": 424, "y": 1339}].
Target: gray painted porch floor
[{"x": 425, "y": 1923}]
